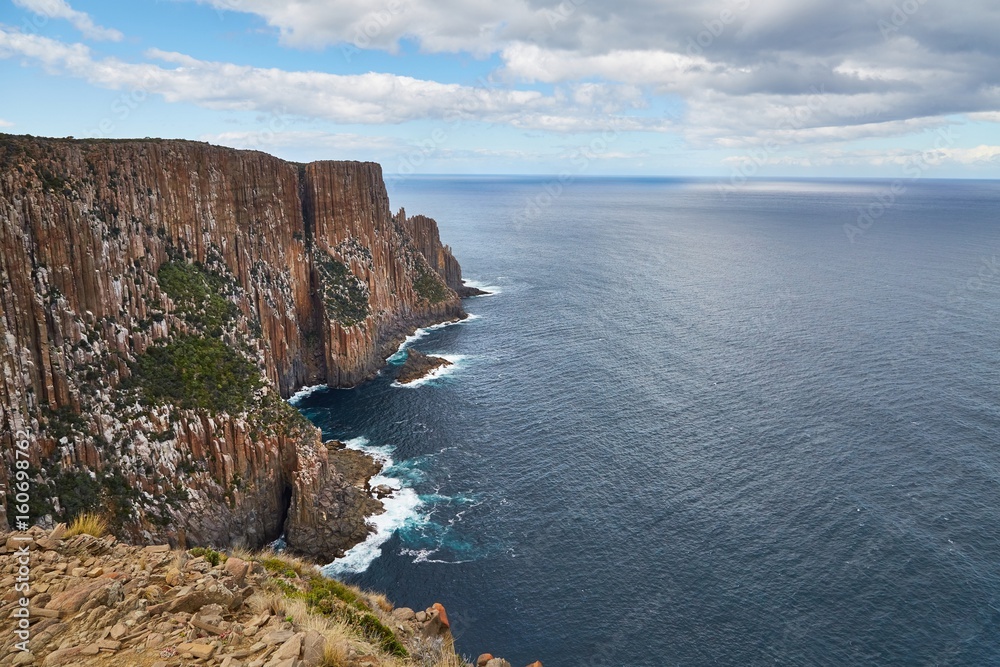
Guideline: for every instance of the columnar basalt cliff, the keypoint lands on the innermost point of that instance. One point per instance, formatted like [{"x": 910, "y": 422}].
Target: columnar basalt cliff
[
  {"x": 424, "y": 232},
  {"x": 159, "y": 298}
]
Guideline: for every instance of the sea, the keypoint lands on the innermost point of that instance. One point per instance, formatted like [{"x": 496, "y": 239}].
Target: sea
[{"x": 696, "y": 424}]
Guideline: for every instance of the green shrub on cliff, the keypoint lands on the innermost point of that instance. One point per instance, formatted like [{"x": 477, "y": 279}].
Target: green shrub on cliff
[
  {"x": 196, "y": 372},
  {"x": 197, "y": 294},
  {"x": 428, "y": 285},
  {"x": 345, "y": 297},
  {"x": 211, "y": 555}
]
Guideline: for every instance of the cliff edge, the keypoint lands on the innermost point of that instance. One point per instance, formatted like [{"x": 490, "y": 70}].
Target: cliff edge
[{"x": 160, "y": 298}]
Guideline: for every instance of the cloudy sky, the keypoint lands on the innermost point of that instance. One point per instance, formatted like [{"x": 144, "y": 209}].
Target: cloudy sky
[{"x": 721, "y": 88}]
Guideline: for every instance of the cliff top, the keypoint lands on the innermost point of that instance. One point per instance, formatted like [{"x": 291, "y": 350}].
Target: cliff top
[
  {"x": 94, "y": 601},
  {"x": 86, "y": 141}
]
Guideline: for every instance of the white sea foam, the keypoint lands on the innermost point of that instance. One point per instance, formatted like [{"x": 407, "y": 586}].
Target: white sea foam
[
  {"x": 402, "y": 508},
  {"x": 398, "y": 356},
  {"x": 492, "y": 289},
  {"x": 456, "y": 363},
  {"x": 424, "y": 556},
  {"x": 297, "y": 397}
]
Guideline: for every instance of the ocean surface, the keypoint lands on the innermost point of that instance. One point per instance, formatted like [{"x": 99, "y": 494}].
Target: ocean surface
[{"x": 694, "y": 427}]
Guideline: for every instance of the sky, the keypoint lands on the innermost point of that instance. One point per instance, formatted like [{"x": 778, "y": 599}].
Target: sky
[{"x": 728, "y": 89}]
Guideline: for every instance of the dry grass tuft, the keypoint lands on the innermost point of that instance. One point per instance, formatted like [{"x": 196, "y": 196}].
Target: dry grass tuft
[
  {"x": 89, "y": 523},
  {"x": 272, "y": 600},
  {"x": 451, "y": 660},
  {"x": 380, "y": 601}
]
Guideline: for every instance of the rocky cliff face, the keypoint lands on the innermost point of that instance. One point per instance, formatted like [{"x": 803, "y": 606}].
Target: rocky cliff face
[{"x": 158, "y": 298}]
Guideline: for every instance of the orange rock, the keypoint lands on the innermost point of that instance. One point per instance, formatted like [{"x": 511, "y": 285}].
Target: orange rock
[
  {"x": 69, "y": 602},
  {"x": 483, "y": 659},
  {"x": 442, "y": 615}
]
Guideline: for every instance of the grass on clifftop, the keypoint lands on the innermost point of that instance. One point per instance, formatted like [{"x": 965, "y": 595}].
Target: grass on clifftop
[
  {"x": 196, "y": 372},
  {"x": 302, "y": 584}
]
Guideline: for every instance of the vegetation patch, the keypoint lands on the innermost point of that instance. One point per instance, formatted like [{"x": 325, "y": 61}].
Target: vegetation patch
[
  {"x": 198, "y": 294},
  {"x": 279, "y": 565},
  {"x": 331, "y": 598},
  {"x": 89, "y": 524},
  {"x": 274, "y": 416},
  {"x": 63, "y": 422},
  {"x": 429, "y": 286},
  {"x": 196, "y": 372},
  {"x": 211, "y": 555},
  {"x": 345, "y": 297}
]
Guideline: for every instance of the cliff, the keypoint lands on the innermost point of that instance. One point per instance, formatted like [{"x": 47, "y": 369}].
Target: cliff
[
  {"x": 159, "y": 298},
  {"x": 424, "y": 232}
]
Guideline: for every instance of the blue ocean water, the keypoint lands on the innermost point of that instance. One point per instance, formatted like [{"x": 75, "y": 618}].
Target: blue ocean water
[{"x": 696, "y": 429}]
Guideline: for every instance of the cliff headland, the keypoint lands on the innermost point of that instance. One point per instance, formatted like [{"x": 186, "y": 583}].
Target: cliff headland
[{"x": 159, "y": 300}]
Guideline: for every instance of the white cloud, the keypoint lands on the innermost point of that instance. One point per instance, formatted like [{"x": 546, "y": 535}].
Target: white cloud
[
  {"x": 60, "y": 9},
  {"x": 740, "y": 65},
  {"x": 5, "y": 123},
  {"x": 985, "y": 117},
  {"x": 274, "y": 136},
  {"x": 369, "y": 99}
]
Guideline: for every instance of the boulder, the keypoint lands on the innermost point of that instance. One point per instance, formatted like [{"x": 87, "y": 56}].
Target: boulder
[
  {"x": 69, "y": 602},
  {"x": 238, "y": 568},
  {"x": 403, "y": 614},
  {"x": 313, "y": 649},
  {"x": 66, "y": 656},
  {"x": 290, "y": 649},
  {"x": 441, "y": 614}
]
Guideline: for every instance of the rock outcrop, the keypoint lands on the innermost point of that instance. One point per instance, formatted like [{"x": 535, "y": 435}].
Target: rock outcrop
[
  {"x": 159, "y": 298},
  {"x": 98, "y": 602},
  {"x": 419, "y": 365},
  {"x": 424, "y": 232}
]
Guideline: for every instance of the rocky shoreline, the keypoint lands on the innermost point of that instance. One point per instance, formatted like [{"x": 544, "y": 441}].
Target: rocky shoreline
[
  {"x": 465, "y": 291},
  {"x": 96, "y": 602}
]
